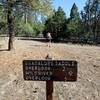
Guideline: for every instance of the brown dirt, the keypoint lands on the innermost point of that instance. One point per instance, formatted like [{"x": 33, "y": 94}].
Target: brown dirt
[{"x": 13, "y": 86}]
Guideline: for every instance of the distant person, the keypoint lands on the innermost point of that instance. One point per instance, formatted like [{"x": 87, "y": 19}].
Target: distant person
[{"x": 49, "y": 38}]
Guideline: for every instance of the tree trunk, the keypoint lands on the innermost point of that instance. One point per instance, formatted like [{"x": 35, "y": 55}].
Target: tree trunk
[
  {"x": 10, "y": 21},
  {"x": 95, "y": 31},
  {"x": 96, "y": 22}
]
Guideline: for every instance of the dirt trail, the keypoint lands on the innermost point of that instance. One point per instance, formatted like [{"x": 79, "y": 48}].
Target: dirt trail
[{"x": 13, "y": 87}]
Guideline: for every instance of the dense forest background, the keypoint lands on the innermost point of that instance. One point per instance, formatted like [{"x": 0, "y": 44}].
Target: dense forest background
[{"x": 31, "y": 18}]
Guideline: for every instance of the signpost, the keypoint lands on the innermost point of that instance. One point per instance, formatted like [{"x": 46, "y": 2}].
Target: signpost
[{"x": 49, "y": 71}]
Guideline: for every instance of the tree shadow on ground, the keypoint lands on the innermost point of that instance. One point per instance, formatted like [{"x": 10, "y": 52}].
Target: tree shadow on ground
[
  {"x": 34, "y": 39},
  {"x": 3, "y": 50},
  {"x": 44, "y": 40},
  {"x": 39, "y": 45}
]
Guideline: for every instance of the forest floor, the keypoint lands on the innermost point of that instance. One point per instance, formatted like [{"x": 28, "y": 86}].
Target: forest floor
[{"x": 13, "y": 86}]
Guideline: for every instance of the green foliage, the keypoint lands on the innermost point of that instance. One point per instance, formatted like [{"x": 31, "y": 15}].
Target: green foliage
[
  {"x": 74, "y": 25},
  {"x": 28, "y": 15},
  {"x": 32, "y": 17},
  {"x": 91, "y": 18},
  {"x": 56, "y": 25},
  {"x": 3, "y": 25},
  {"x": 74, "y": 14},
  {"x": 27, "y": 29},
  {"x": 24, "y": 29},
  {"x": 38, "y": 28}
]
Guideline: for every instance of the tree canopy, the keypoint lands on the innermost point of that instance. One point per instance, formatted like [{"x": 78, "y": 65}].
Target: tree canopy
[
  {"x": 22, "y": 16},
  {"x": 91, "y": 19},
  {"x": 74, "y": 25},
  {"x": 31, "y": 17},
  {"x": 56, "y": 24}
]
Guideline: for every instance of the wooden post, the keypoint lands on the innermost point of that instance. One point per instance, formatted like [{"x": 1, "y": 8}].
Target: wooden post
[
  {"x": 49, "y": 90},
  {"x": 49, "y": 84}
]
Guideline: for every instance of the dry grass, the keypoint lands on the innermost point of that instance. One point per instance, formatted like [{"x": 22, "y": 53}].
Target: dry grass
[{"x": 13, "y": 87}]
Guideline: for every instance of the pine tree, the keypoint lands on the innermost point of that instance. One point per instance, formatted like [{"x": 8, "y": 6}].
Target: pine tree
[
  {"x": 56, "y": 25},
  {"x": 74, "y": 23},
  {"x": 26, "y": 6},
  {"x": 91, "y": 18},
  {"x": 74, "y": 14}
]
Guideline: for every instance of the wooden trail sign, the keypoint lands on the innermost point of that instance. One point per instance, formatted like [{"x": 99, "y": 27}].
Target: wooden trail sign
[{"x": 50, "y": 70}]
